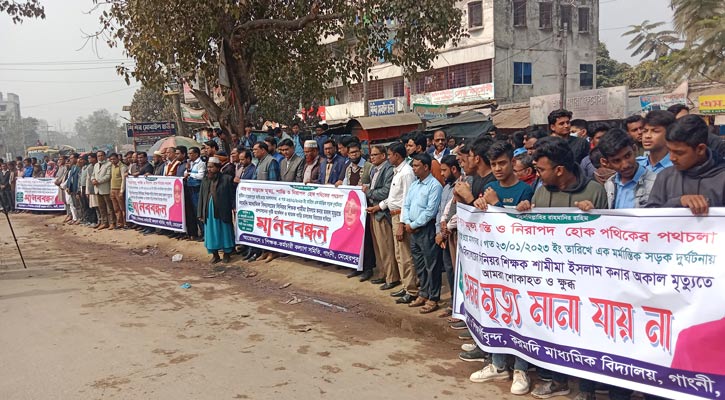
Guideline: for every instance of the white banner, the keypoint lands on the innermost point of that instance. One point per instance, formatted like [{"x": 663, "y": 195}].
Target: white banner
[
  {"x": 39, "y": 194},
  {"x": 156, "y": 201},
  {"x": 633, "y": 298},
  {"x": 323, "y": 223}
]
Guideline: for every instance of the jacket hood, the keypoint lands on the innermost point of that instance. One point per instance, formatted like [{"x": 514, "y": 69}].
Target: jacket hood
[
  {"x": 578, "y": 186},
  {"x": 713, "y": 166}
]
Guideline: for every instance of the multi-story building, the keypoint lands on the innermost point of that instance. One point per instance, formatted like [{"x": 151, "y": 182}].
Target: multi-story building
[
  {"x": 9, "y": 107},
  {"x": 513, "y": 51}
]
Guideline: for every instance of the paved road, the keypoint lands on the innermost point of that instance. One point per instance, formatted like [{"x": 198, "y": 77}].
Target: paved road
[{"x": 89, "y": 321}]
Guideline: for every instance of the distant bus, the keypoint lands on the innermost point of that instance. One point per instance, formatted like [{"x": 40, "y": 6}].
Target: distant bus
[{"x": 53, "y": 152}]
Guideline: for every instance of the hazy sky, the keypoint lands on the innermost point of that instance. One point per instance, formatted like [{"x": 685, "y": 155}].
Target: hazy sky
[{"x": 41, "y": 60}]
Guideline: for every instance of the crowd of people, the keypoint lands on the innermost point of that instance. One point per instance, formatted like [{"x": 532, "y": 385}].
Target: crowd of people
[{"x": 413, "y": 187}]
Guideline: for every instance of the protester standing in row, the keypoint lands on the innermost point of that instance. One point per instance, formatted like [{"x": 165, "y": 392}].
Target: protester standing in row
[{"x": 216, "y": 201}]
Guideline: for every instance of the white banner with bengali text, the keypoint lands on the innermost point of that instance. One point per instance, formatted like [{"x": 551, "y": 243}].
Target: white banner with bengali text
[
  {"x": 632, "y": 298},
  {"x": 323, "y": 223},
  {"x": 156, "y": 201},
  {"x": 38, "y": 194}
]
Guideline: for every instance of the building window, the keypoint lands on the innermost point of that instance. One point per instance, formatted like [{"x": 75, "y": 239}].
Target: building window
[
  {"x": 565, "y": 17},
  {"x": 586, "y": 76},
  {"x": 522, "y": 73},
  {"x": 398, "y": 88},
  {"x": 520, "y": 13},
  {"x": 375, "y": 90},
  {"x": 545, "y": 15},
  {"x": 475, "y": 14},
  {"x": 583, "y": 19}
]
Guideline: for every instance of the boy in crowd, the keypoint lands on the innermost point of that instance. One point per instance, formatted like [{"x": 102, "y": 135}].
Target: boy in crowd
[
  {"x": 629, "y": 187},
  {"x": 594, "y": 137},
  {"x": 507, "y": 190},
  {"x": 697, "y": 180},
  {"x": 564, "y": 185},
  {"x": 632, "y": 183},
  {"x": 657, "y": 157},
  {"x": 635, "y": 128}
]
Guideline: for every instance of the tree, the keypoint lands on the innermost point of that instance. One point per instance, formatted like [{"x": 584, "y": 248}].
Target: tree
[
  {"x": 17, "y": 135},
  {"x": 18, "y": 11},
  {"x": 699, "y": 28},
  {"x": 100, "y": 129},
  {"x": 610, "y": 72},
  {"x": 645, "y": 74},
  {"x": 274, "y": 54},
  {"x": 647, "y": 42},
  {"x": 150, "y": 105}
]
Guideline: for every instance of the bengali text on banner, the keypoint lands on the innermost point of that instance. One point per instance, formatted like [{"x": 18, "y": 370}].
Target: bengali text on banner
[
  {"x": 323, "y": 223},
  {"x": 632, "y": 298},
  {"x": 156, "y": 201},
  {"x": 38, "y": 194}
]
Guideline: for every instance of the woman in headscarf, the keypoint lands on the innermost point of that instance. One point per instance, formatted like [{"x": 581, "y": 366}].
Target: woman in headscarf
[
  {"x": 216, "y": 202},
  {"x": 349, "y": 237}
]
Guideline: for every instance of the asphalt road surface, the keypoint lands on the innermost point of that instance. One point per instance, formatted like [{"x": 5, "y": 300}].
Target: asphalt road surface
[{"x": 96, "y": 316}]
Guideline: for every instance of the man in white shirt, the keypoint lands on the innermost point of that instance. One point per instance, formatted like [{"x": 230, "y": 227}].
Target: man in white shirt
[{"x": 398, "y": 189}]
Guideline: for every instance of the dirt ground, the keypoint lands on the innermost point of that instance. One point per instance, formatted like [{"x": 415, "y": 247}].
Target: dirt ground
[{"x": 101, "y": 314}]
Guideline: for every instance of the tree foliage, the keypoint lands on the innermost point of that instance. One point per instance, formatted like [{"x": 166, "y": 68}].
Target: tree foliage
[
  {"x": 150, "y": 105},
  {"x": 696, "y": 46},
  {"x": 100, "y": 129},
  {"x": 21, "y": 10},
  {"x": 610, "y": 72},
  {"x": 276, "y": 53},
  {"x": 645, "y": 74},
  {"x": 16, "y": 135},
  {"x": 648, "y": 41}
]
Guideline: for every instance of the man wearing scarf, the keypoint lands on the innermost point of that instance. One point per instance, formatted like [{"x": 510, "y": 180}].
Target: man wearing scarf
[{"x": 216, "y": 201}]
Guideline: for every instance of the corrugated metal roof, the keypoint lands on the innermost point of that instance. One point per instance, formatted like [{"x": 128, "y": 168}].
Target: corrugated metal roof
[
  {"x": 388, "y": 120},
  {"x": 513, "y": 118}
]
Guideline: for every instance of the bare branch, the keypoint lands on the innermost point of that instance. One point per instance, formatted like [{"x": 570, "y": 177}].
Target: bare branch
[{"x": 287, "y": 25}]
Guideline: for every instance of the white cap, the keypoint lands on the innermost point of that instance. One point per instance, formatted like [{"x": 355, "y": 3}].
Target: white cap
[{"x": 213, "y": 160}]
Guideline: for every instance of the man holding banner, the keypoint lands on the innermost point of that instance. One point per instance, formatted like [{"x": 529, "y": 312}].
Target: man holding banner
[{"x": 564, "y": 186}]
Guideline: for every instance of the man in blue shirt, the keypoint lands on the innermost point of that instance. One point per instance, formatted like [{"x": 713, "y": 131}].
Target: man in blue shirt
[
  {"x": 657, "y": 156},
  {"x": 297, "y": 140},
  {"x": 320, "y": 137},
  {"x": 419, "y": 215}
]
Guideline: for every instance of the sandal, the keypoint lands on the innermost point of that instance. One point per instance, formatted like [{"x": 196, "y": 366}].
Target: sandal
[
  {"x": 447, "y": 313},
  {"x": 429, "y": 307},
  {"x": 452, "y": 320}
]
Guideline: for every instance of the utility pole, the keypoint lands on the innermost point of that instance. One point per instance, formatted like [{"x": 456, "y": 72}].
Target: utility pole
[
  {"x": 366, "y": 105},
  {"x": 563, "y": 33},
  {"x": 176, "y": 97},
  {"x": 562, "y": 67}
]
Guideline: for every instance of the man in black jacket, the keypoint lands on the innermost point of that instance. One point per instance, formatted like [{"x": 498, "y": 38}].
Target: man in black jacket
[{"x": 216, "y": 201}]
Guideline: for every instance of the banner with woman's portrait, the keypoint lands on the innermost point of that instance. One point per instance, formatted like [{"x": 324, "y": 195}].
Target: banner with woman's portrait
[
  {"x": 156, "y": 201},
  {"x": 323, "y": 223}
]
